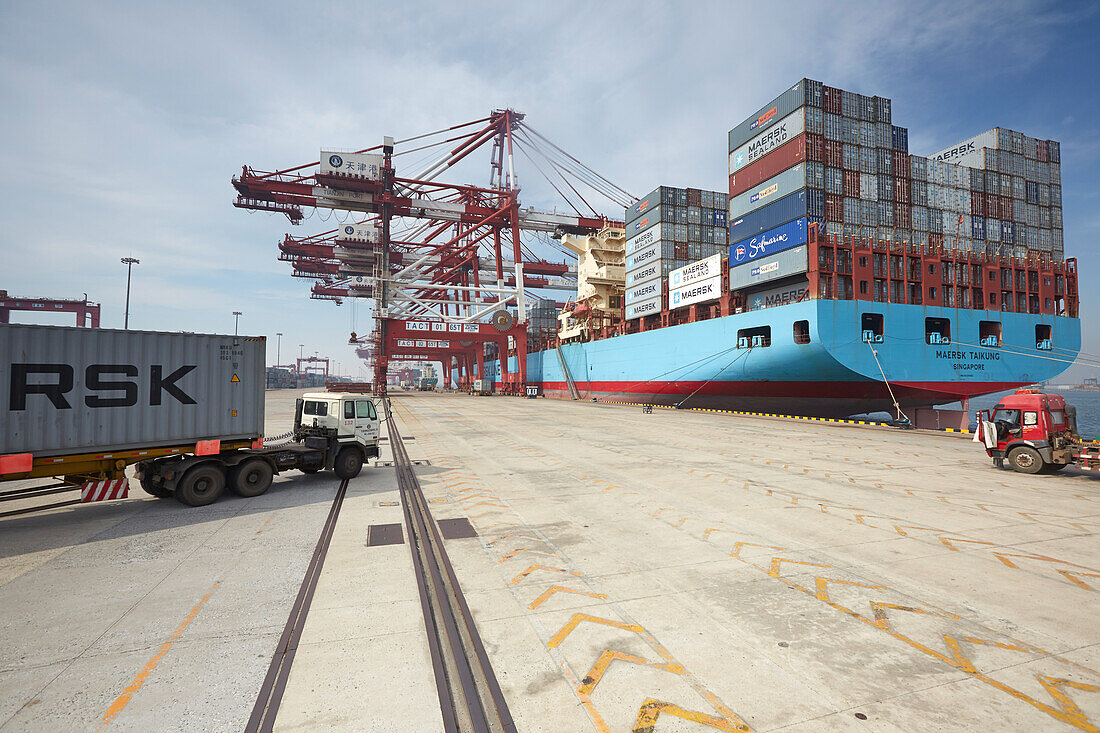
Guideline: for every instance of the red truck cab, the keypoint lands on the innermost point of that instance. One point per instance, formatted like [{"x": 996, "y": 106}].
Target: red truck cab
[{"x": 1033, "y": 430}]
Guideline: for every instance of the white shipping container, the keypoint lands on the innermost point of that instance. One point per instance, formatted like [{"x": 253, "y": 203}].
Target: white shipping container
[
  {"x": 643, "y": 292},
  {"x": 781, "y": 132},
  {"x": 357, "y": 165},
  {"x": 648, "y": 308},
  {"x": 969, "y": 151},
  {"x": 646, "y": 238},
  {"x": 651, "y": 271},
  {"x": 696, "y": 292},
  {"x": 644, "y": 256},
  {"x": 696, "y": 271}
]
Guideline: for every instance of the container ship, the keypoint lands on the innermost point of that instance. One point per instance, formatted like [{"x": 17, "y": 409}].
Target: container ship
[{"x": 838, "y": 274}]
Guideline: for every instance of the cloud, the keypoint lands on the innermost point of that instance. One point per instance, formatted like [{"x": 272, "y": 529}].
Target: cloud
[{"x": 124, "y": 122}]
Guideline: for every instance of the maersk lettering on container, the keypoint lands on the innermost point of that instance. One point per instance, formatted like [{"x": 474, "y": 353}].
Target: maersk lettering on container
[
  {"x": 646, "y": 291},
  {"x": 644, "y": 256},
  {"x": 648, "y": 272},
  {"x": 702, "y": 270},
  {"x": 769, "y": 191},
  {"x": 775, "y": 240},
  {"x": 697, "y": 292},
  {"x": 646, "y": 238},
  {"x": 969, "y": 151},
  {"x": 786, "y": 129},
  {"x": 648, "y": 308}
]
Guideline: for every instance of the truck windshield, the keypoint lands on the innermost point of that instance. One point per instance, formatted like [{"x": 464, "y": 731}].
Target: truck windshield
[
  {"x": 1009, "y": 416},
  {"x": 319, "y": 409},
  {"x": 365, "y": 409}
]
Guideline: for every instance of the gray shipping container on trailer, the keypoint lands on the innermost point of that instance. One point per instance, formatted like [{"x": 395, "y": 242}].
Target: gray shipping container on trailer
[{"x": 66, "y": 390}]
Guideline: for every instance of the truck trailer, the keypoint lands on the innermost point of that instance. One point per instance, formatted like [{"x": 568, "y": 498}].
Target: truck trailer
[{"x": 82, "y": 405}]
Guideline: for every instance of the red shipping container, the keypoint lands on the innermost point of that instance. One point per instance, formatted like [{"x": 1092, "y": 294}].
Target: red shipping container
[
  {"x": 694, "y": 197},
  {"x": 834, "y": 207},
  {"x": 903, "y": 216},
  {"x": 1042, "y": 152},
  {"x": 834, "y": 153},
  {"x": 901, "y": 190},
  {"x": 786, "y": 156},
  {"x": 901, "y": 164},
  {"x": 851, "y": 183},
  {"x": 936, "y": 240},
  {"x": 815, "y": 147},
  {"x": 977, "y": 205},
  {"x": 831, "y": 100}
]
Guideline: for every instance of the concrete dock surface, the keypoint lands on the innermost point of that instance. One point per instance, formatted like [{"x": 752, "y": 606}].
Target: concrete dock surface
[{"x": 673, "y": 571}]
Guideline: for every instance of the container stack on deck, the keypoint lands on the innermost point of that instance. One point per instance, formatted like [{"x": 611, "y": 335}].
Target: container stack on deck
[
  {"x": 666, "y": 230},
  {"x": 820, "y": 154}
]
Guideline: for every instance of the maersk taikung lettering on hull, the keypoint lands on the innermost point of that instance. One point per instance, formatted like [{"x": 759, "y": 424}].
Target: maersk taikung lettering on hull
[{"x": 832, "y": 374}]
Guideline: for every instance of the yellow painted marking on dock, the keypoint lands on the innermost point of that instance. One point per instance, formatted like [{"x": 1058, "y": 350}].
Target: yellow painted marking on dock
[
  {"x": 261, "y": 529},
  {"x": 515, "y": 552},
  {"x": 588, "y": 684},
  {"x": 533, "y": 568},
  {"x": 572, "y": 624},
  {"x": 1075, "y": 577},
  {"x": 124, "y": 699},
  {"x": 561, "y": 589},
  {"x": 652, "y": 709}
]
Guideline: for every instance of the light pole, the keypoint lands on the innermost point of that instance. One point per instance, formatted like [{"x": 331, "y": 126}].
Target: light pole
[
  {"x": 129, "y": 262},
  {"x": 236, "y": 319},
  {"x": 278, "y": 348}
]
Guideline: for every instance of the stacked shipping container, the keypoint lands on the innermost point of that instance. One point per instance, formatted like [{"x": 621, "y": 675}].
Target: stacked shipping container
[
  {"x": 664, "y": 231},
  {"x": 1015, "y": 191},
  {"x": 821, "y": 154}
]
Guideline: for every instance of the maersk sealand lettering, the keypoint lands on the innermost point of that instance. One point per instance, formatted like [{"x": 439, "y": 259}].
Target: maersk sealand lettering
[{"x": 768, "y": 138}]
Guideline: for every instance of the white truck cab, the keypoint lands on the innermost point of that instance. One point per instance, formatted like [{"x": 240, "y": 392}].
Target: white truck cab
[{"x": 350, "y": 416}]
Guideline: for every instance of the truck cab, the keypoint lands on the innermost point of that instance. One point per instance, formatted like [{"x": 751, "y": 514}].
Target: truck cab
[
  {"x": 348, "y": 417},
  {"x": 1033, "y": 430}
]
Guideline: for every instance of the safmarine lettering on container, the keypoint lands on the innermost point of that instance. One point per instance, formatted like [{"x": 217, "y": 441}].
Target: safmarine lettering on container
[{"x": 775, "y": 240}]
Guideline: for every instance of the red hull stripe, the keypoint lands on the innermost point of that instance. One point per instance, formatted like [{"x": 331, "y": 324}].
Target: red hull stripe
[{"x": 948, "y": 391}]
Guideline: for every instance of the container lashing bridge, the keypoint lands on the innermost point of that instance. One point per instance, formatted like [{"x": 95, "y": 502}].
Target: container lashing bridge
[{"x": 442, "y": 262}]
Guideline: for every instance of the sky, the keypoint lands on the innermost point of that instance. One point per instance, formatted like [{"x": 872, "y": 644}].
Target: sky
[{"x": 121, "y": 124}]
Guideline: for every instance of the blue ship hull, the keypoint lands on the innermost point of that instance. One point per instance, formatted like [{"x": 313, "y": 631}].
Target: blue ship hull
[{"x": 699, "y": 365}]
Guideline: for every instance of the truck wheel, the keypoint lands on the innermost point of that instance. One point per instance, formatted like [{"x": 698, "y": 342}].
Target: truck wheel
[
  {"x": 200, "y": 486},
  {"x": 349, "y": 462},
  {"x": 1025, "y": 460},
  {"x": 157, "y": 491},
  {"x": 250, "y": 478}
]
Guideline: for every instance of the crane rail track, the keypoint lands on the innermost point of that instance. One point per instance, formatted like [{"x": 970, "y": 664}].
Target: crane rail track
[
  {"x": 470, "y": 697},
  {"x": 263, "y": 715}
]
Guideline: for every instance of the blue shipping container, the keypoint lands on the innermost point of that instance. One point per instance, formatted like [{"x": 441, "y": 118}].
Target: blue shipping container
[
  {"x": 900, "y": 138},
  {"x": 791, "y": 234},
  {"x": 810, "y": 203},
  {"x": 977, "y": 227}
]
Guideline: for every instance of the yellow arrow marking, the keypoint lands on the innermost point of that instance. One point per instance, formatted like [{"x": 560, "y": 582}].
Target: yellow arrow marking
[
  {"x": 562, "y": 589},
  {"x": 572, "y": 623}
]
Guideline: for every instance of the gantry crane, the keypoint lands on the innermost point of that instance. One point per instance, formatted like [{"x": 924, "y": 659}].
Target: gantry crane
[
  {"x": 87, "y": 312},
  {"x": 432, "y": 255}
]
